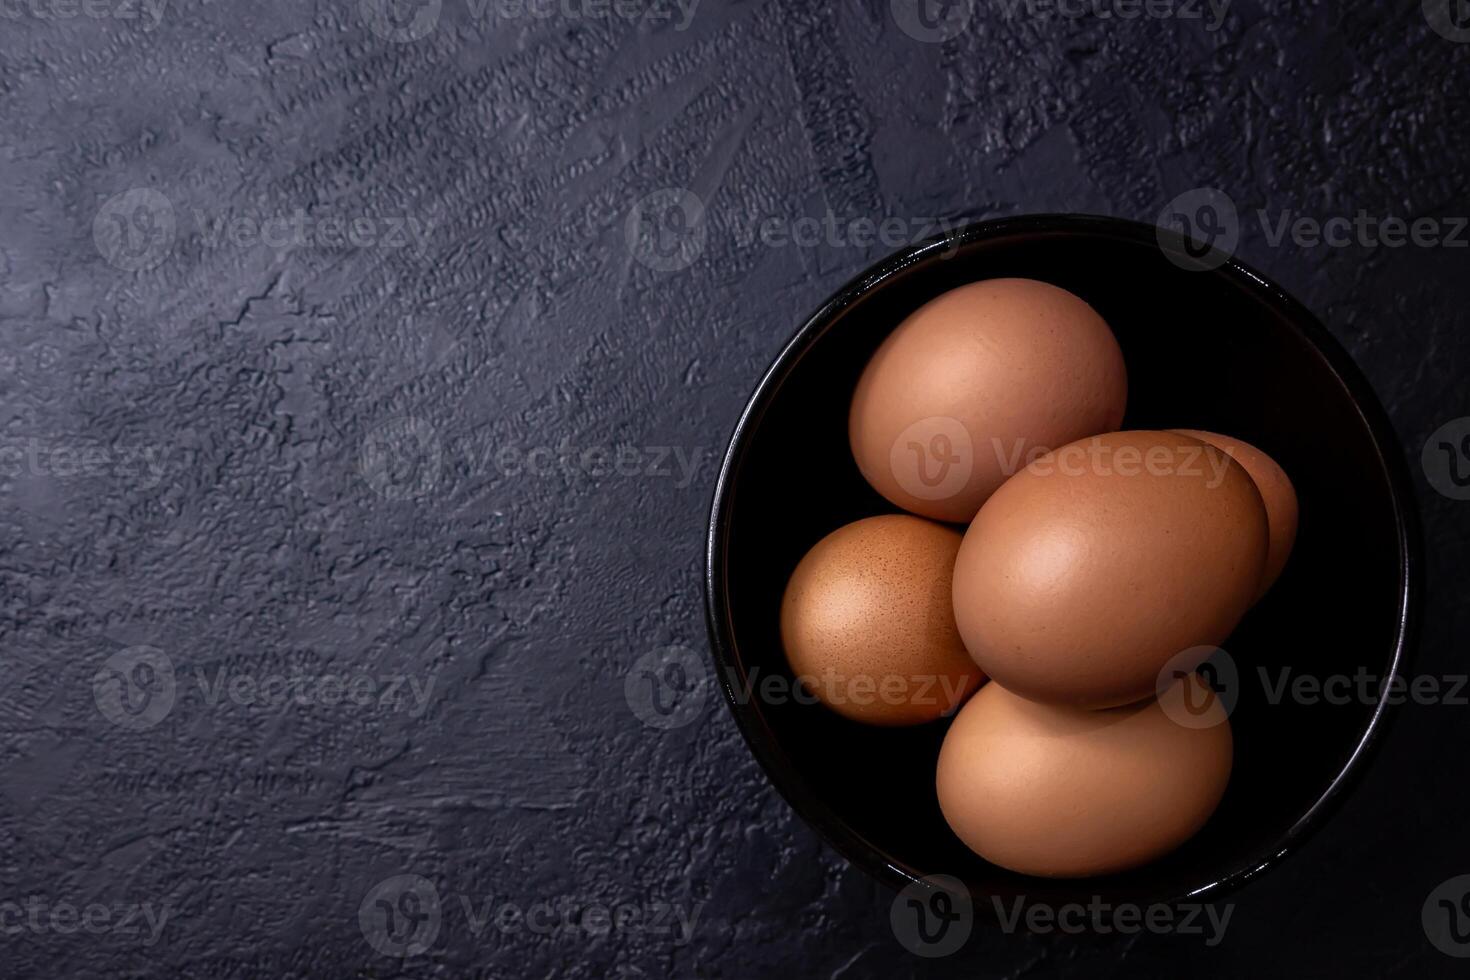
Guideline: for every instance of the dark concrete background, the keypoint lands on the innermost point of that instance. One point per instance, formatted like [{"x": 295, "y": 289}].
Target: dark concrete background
[{"x": 241, "y": 458}]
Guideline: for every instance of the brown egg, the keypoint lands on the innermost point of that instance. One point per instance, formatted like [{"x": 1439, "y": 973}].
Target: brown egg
[
  {"x": 1092, "y": 567},
  {"x": 1275, "y": 489},
  {"x": 1064, "y": 792},
  {"x": 868, "y": 626},
  {"x": 975, "y": 380}
]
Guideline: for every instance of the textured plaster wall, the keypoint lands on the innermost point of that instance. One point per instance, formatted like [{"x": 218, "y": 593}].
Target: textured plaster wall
[{"x": 239, "y": 446}]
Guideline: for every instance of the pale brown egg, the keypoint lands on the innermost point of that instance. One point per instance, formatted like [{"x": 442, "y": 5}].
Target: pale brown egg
[
  {"x": 1065, "y": 792},
  {"x": 973, "y": 382},
  {"x": 1276, "y": 491},
  {"x": 868, "y": 626},
  {"x": 1085, "y": 573}
]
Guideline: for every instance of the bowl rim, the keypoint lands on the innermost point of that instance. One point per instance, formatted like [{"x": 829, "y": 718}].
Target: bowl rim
[{"x": 776, "y": 765}]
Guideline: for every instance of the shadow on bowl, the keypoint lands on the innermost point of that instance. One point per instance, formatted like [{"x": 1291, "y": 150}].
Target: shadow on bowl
[{"x": 1221, "y": 349}]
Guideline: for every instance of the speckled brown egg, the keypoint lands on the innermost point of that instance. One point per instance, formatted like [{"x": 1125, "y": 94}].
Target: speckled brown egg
[
  {"x": 1085, "y": 573},
  {"x": 971, "y": 384},
  {"x": 1065, "y": 792},
  {"x": 1276, "y": 491},
  {"x": 868, "y": 626}
]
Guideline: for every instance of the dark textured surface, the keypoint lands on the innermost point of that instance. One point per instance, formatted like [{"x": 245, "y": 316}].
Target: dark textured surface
[{"x": 234, "y": 493}]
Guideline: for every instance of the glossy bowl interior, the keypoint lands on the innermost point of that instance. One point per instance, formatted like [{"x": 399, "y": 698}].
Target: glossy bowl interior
[{"x": 1220, "y": 349}]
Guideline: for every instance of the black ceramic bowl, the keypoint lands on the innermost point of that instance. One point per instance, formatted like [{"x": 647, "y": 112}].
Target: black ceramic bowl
[{"x": 1220, "y": 349}]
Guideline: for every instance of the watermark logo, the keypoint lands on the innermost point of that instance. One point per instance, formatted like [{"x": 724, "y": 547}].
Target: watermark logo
[
  {"x": 1449, "y": 18},
  {"x": 1446, "y": 917},
  {"x": 1123, "y": 10},
  {"x": 402, "y": 459},
  {"x": 933, "y": 458},
  {"x": 401, "y": 915},
  {"x": 135, "y": 688},
  {"x": 388, "y": 693},
  {"x": 1097, "y": 457},
  {"x": 1104, "y": 918},
  {"x": 147, "y": 12},
  {"x": 134, "y": 231},
  {"x": 401, "y": 21},
  {"x": 666, "y": 230},
  {"x": 38, "y": 915},
  {"x": 404, "y": 915},
  {"x": 598, "y": 461},
  {"x": 67, "y": 460},
  {"x": 405, "y": 457},
  {"x": 653, "y": 13},
  {"x": 1446, "y": 459},
  {"x": 932, "y": 21},
  {"x": 831, "y": 231},
  {"x": 1199, "y": 229},
  {"x": 666, "y": 688},
  {"x": 933, "y": 916},
  {"x": 943, "y": 691},
  {"x": 1188, "y": 705},
  {"x": 1364, "y": 687},
  {"x": 299, "y": 230}
]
